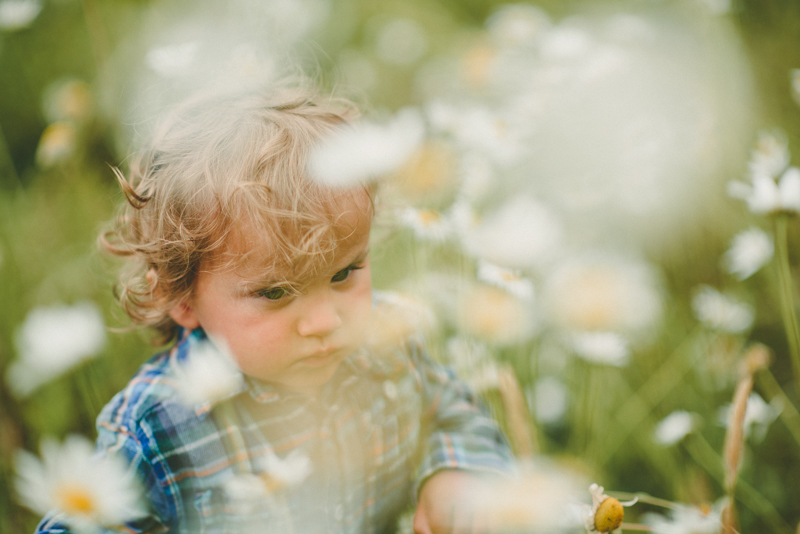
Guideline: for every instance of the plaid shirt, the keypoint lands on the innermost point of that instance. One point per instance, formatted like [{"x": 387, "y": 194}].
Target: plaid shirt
[{"x": 380, "y": 427}]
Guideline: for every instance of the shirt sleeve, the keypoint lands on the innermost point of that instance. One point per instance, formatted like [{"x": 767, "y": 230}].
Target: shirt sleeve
[
  {"x": 125, "y": 444},
  {"x": 461, "y": 434}
]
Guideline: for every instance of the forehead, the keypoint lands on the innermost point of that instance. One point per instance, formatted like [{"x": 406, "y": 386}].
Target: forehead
[{"x": 296, "y": 246}]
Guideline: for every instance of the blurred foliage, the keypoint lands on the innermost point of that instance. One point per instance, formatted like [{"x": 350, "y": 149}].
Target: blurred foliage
[{"x": 50, "y": 218}]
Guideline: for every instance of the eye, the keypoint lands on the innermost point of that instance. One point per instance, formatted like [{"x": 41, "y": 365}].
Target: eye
[
  {"x": 344, "y": 274},
  {"x": 273, "y": 293}
]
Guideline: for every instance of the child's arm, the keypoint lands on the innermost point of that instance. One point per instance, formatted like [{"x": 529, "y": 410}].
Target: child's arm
[{"x": 464, "y": 445}]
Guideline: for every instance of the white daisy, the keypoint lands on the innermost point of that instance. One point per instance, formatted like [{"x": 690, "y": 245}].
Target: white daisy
[
  {"x": 90, "y": 492},
  {"x": 507, "y": 279},
  {"x": 770, "y": 157},
  {"x": 51, "y": 341},
  {"x": 172, "y": 60},
  {"x": 517, "y": 24},
  {"x": 765, "y": 196},
  {"x": 208, "y": 374},
  {"x": 288, "y": 471},
  {"x": 606, "y": 348},
  {"x": 674, "y": 427},
  {"x": 688, "y": 520},
  {"x": 367, "y": 150},
  {"x": 57, "y": 143},
  {"x": 750, "y": 250},
  {"x": 550, "y": 400},
  {"x": 496, "y": 316},
  {"x": 427, "y": 224},
  {"x": 721, "y": 312},
  {"x": 604, "y": 293},
  {"x": 758, "y": 416},
  {"x": 522, "y": 233}
]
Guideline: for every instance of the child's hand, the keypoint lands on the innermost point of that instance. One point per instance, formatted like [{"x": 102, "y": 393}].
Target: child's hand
[{"x": 446, "y": 505}]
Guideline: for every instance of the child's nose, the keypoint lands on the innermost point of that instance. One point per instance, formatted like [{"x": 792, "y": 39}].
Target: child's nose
[{"x": 320, "y": 318}]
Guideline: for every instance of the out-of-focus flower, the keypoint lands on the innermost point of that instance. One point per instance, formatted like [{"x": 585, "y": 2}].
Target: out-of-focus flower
[
  {"x": 476, "y": 63},
  {"x": 507, "y": 279},
  {"x": 750, "y": 250},
  {"x": 603, "y": 293},
  {"x": 517, "y": 24},
  {"x": 51, "y": 341},
  {"x": 67, "y": 100},
  {"x": 770, "y": 157},
  {"x": 773, "y": 188},
  {"x": 550, "y": 400},
  {"x": 395, "y": 318},
  {"x": 758, "y": 416},
  {"x": 607, "y": 348},
  {"x": 428, "y": 175},
  {"x": 173, "y": 60},
  {"x": 521, "y": 234},
  {"x": 606, "y": 513},
  {"x": 565, "y": 43},
  {"x": 766, "y": 196},
  {"x": 674, "y": 427},
  {"x": 496, "y": 316},
  {"x": 537, "y": 499},
  {"x": 57, "y": 143},
  {"x": 688, "y": 520},
  {"x": 473, "y": 363},
  {"x": 90, "y": 492},
  {"x": 208, "y": 374},
  {"x": 721, "y": 312},
  {"x": 366, "y": 151},
  {"x": 428, "y": 225},
  {"x": 289, "y": 471},
  {"x": 18, "y": 14},
  {"x": 794, "y": 79},
  {"x": 401, "y": 41}
]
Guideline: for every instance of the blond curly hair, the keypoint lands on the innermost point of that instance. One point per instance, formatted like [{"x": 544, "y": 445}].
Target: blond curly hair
[{"x": 222, "y": 162}]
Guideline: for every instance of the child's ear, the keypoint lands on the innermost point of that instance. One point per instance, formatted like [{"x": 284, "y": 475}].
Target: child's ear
[{"x": 183, "y": 314}]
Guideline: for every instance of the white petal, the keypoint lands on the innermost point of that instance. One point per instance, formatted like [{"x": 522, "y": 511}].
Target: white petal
[
  {"x": 789, "y": 187},
  {"x": 765, "y": 197}
]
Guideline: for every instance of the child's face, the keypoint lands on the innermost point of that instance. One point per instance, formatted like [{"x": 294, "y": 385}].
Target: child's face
[{"x": 294, "y": 341}]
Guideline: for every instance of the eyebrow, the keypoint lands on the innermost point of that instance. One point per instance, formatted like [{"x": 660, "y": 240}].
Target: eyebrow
[{"x": 251, "y": 284}]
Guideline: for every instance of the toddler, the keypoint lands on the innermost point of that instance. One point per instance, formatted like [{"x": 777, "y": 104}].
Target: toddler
[{"x": 232, "y": 247}]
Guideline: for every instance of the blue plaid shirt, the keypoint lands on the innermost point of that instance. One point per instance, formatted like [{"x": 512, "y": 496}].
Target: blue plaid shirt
[{"x": 379, "y": 428}]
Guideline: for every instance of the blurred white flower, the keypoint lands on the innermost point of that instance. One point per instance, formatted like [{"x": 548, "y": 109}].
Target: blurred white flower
[
  {"x": 772, "y": 186},
  {"x": 51, "y": 341},
  {"x": 507, "y": 279},
  {"x": 721, "y": 312},
  {"x": 89, "y": 491},
  {"x": 688, "y": 520},
  {"x": 517, "y": 24},
  {"x": 604, "y": 293},
  {"x": 428, "y": 225},
  {"x": 208, "y": 374},
  {"x": 428, "y": 176},
  {"x": 365, "y": 151},
  {"x": 173, "y": 60},
  {"x": 289, "y": 471},
  {"x": 401, "y": 41},
  {"x": 67, "y": 100},
  {"x": 57, "y": 143},
  {"x": 750, "y": 250},
  {"x": 550, "y": 400},
  {"x": 566, "y": 43},
  {"x": 396, "y": 317},
  {"x": 18, "y": 14},
  {"x": 766, "y": 196},
  {"x": 758, "y": 416},
  {"x": 245, "y": 492},
  {"x": 465, "y": 354},
  {"x": 537, "y": 499},
  {"x": 770, "y": 157},
  {"x": 607, "y": 348},
  {"x": 496, "y": 316},
  {"x": 794, "y": 78},
  {"x": 520, "y": 234},
  {"x": 674, "y": 427}
]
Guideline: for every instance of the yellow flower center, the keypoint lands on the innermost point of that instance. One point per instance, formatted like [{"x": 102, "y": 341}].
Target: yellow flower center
[
  {"x": 609, "y": 515},
  {"x": 76, "y": 500},
  {"x": 429, "y": 217}
]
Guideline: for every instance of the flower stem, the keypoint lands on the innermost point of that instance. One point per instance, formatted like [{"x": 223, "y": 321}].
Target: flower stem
[{"x": 786, "y": 292}]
